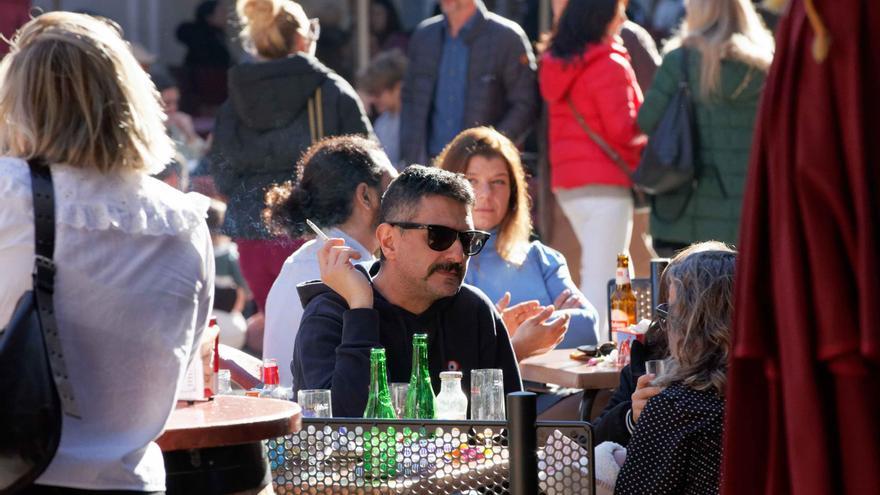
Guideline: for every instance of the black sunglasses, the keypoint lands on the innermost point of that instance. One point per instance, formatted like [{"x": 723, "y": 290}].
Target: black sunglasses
[
  {"x": 441, "y": 237},
  {"x": 661, "y": 313}
]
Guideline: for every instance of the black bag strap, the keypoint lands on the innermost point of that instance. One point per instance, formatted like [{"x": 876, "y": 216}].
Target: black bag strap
[
  {"x": 684, "y": 82},
  {"x": 44, "y": 278},
  {"x": 678, "y": 213}
]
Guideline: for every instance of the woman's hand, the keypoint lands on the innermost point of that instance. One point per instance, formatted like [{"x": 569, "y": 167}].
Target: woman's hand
[
  {"x": 644, "y": 391},
  {"x": 569, "y": 299},
  {"x": 536, "y": 335},
  {"x": 334, "y": 261},
  {"x": 515, "y": 315}
]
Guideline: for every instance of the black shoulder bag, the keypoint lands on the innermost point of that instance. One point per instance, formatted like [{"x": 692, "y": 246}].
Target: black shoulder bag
[
  {"x": 33, "y": 378},
  {"x": 669, "y": 162}
]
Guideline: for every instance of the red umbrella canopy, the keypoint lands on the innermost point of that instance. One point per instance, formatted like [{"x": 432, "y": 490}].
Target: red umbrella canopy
[
  {"x": 803, "y": 397},
  {"x": 13, "y": 15}
]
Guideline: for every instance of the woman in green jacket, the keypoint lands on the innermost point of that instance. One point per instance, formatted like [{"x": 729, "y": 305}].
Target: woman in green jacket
[{"x": 729, "y": 52}]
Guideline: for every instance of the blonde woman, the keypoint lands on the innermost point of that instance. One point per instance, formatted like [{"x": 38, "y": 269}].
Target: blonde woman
[
  {"x": 676, "y": 445},
  {"x": 527, "y": 275},
  {"x": 135, "y": 270},
  {"x": 279, "y": 104},
  {"x": 728, "y": 55}
]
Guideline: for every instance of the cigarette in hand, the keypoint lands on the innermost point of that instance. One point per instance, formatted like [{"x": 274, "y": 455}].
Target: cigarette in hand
[{"x": 321, "y": 235}]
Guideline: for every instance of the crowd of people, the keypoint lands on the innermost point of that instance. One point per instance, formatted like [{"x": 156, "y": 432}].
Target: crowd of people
[{"x": 427, "y": 205}]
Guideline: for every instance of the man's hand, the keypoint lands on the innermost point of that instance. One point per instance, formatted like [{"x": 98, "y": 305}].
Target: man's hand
[
  {"x": 644, "y": 391},
  {"x": 515, "y": 315},
  {"x": 569, "y": 299},
  {"x": 537, "y": 336},
  {"x": 334, "y": 261}
]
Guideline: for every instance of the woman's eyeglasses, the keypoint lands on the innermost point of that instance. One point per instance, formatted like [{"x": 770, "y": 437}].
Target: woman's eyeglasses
[
  {"x": 314, "y": 31},
  {"x": 661, "y": 313},
  {"x": 440, "y": 237}
]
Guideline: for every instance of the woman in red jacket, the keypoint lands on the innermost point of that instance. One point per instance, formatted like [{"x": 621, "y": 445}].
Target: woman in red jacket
[{"x": 585, "y": 75}]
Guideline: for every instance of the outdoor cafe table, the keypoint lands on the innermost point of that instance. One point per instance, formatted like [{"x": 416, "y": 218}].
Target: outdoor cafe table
[
  {"x": 558, "y": 368},
  {"x": 216, "y": 446}
]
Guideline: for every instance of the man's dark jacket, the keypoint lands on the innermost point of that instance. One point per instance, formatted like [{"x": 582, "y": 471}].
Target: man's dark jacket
[
  {"x": 263, "y": 129},
  {"x": 502, "y": 89},
  {"x": 333, "y": 344}
]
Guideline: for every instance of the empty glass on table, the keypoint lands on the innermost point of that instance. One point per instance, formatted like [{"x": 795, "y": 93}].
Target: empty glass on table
[
  {"x": 487, "y": 395},
  {"x": 315, "y": 403}
]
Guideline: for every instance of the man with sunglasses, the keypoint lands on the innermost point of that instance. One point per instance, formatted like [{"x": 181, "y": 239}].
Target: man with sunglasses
[{"x": 426, "y": 236}]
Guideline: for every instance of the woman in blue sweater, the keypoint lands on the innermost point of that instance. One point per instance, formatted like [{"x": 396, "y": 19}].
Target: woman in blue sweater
[{"x": 531, "y": 276}]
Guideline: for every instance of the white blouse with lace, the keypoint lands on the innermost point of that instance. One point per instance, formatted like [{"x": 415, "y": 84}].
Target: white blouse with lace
[{"x": 134, "y": 289}]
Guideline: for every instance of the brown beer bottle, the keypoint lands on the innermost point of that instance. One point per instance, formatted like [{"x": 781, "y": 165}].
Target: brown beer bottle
[{"x": 623, "y": 300}]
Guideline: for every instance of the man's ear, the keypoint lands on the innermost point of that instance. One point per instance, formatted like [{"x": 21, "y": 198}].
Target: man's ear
[{"x": 386, "y": 235}]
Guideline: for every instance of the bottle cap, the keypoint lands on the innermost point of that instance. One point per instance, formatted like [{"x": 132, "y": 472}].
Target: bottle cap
[{"x": 450, "y": 375}]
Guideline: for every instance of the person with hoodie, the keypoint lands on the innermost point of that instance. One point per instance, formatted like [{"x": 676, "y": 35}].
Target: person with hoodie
[
  {"x": 587, "y": 80},
  {"x": 278, "y": 106},
  {"x": 339, "y": 187},
  {"x": 426, "y": 237}
]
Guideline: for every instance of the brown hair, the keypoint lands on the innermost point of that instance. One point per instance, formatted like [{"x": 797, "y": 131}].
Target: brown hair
[
  {"x": 271, "y": 27},
  {"x": 386, "y": 70},
  {"x": 700, "y": 315},
  {"x": 72, "y": 92},
  {"x": 516, "y": 226}
]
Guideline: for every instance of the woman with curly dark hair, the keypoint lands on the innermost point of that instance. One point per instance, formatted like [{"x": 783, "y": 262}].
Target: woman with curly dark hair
[{"x": 339, "y": 184}]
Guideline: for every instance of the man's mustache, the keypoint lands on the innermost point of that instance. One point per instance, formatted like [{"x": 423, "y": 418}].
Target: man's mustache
[{"x": 456, "y": 268}]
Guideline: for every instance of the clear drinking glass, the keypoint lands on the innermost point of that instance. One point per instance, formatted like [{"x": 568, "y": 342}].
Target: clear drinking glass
[
  {"x": 487, "y": 395},
  {"x": 315, "y": 403},
  {"x": 398, "y": 397},
  {"x": 656, "y": 367},
  {"x": 224, "y": 382}
]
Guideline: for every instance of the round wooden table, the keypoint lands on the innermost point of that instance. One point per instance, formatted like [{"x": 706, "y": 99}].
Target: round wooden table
[
  {"x": 558, "y": 368},
  {"x": 216, "y": 446}
]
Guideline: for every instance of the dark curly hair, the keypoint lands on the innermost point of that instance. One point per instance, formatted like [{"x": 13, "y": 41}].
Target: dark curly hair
[{"x": 328, "y": 175}]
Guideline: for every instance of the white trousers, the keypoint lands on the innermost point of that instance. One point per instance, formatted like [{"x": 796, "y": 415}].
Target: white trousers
[{"x": 601, "y": 217}]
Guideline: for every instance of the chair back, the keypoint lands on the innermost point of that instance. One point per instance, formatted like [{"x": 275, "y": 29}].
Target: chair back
[{"x": 642, "y": 289}]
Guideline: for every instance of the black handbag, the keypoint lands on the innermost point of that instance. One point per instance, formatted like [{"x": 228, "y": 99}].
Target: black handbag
[
  {"x": 669, "y": 162},
  {"x": 33, "y": 378}
]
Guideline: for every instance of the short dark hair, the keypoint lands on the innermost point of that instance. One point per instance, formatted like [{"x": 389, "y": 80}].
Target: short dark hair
[
  {"x": 583, "y": 22},
  {"x": 216, "y": 215},
  {"x": 404, "y": 193},
  {"x": 163, "y": 79},
  {"x": 326, "y": 179},
  {"x": 386, "y": 70}
]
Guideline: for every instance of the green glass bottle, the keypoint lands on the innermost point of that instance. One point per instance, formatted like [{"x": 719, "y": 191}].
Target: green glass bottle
[
  {"x": 420, "y": 395},
  {"x": 379, "y": 401},
  {"x": 379, "y": 444}
]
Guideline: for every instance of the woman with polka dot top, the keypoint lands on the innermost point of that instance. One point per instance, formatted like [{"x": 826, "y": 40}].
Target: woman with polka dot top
[{"x": 676, "y": 445}]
